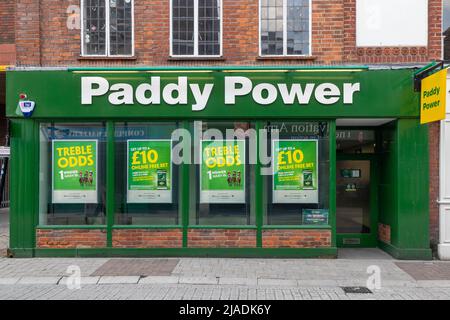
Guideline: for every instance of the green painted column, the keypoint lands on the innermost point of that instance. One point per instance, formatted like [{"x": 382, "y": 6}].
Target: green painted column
[
  {"x": 24, "y": 170},
  {"x": 412, "y": 228}
]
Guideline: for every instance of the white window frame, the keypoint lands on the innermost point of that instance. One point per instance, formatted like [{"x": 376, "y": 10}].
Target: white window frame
[
  {"x": 285, "y": 54},
  {"x": 196, "y": 55},
  {"x": 107, "y": 44}
]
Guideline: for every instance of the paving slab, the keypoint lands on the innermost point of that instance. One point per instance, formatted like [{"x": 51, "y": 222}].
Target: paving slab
[
  {"x": 39, "y": 280},
  {"x": 4, "y": 281},
  {"x": 118, "y": 280},
  {"x": 83, "y": 280},
  {"x": 159, "y": 280},
  {"x": 277, "y": 282},
  {"x": 238, "y": 281},
  {"x": 198, "y": 280}
]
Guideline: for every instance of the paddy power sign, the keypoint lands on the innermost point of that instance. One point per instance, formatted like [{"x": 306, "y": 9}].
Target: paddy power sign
[
  {"x": 295, "y": 176},
  {"x": 152, "y": 92},
  {"x": 149, "y": 171},
  {"x": 74, "y": 170},
  {"x": 222, "y": 171},
  {"x": 433, "y": 97}
]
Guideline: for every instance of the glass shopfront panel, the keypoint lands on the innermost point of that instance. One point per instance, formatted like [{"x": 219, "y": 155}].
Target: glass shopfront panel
[
  {"x": 146, "y": 179},
  {"x": 72, "y": 174},
  {"x": 221, "y": 183},
  {"x": 297, "y": 182}
]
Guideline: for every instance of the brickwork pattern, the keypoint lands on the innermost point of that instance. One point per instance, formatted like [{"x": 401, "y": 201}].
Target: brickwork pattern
[
  {"x": 285, "y": 238},
  {"x": 147, "y": 238},
  {"x": 70, "y": 238},
  {"x": 221, "y": 238},
  {"x": 384, "y": 233}
]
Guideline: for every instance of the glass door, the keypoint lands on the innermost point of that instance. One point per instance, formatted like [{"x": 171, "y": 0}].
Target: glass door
[{"x": 356, "y": 207}]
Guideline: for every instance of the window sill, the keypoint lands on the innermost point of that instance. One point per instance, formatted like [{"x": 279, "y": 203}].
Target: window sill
[
  {"x": 196, "y": 58},
  {"x": 87, "y": 58},
  {"x": 284, "y": 58}
]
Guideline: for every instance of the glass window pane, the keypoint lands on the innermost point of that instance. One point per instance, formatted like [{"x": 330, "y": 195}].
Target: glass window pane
[
  {"x": 209, "y": 27},
  {"x": 183, "y": 27},
  {"x": 120, "y": 27},
  {"x": 298, "y": 27},
  {"x": 446, "y": 28},
  {"x": 299, "y": 185},
  {"x": 222, "y": 179},
  {"x": 271, "y": 21},
  {"x": 94, "y": 27},
  {"x": 355, "y": 141},
  {"x": 72, "y": 174},
  {"x": 147, "y": 181}
]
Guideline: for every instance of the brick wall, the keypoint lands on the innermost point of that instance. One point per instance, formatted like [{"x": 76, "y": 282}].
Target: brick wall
[
  {"x": 433, "y": 138},
  {"x": 221, "y": 238},
  {"x": 285, "y": 238},
  {"x": 52, "y": 43},
  {"x": 384, "y": 233},
  {"x": 70, "y": 238},
  {"x": 7, "y": 21},
  {"x": 147, "y": 238}
]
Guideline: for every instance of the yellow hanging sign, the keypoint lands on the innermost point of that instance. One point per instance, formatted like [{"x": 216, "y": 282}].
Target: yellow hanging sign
[{"x": 432, "y": 99}]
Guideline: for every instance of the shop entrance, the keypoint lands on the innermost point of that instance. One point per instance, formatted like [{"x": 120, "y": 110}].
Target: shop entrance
[
  {"x": 356, "y": 205},
  {"x": 356, "y": 187}
]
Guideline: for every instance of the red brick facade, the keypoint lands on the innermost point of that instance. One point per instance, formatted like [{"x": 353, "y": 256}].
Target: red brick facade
[
  {"x": 433, "y": 147},
  {"x": 290, "y": 238},
  {"x": 384, "y": 233},
  {"x": 221, "y": 238},
  {"x": 47, "y": 41},
  {"x": 147, "y": 238},
  {"x": 70, "y": 238}
]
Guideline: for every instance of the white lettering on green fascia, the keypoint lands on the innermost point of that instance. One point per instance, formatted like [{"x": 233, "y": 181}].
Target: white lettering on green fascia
[{"x": 151, "y": 93}]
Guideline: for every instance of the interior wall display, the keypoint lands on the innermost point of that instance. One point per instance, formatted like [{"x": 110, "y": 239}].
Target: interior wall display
[
  {"x": 74, "y": 171},
  {"x": 222, "y": 171},
  {"x": 149, "y": 176},
  {"x": 295, "y": 171},
  {"x": 315, "y": 216}
]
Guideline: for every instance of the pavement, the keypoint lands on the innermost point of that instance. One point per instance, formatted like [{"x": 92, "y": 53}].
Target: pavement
[{"x": 345, "y": 278}]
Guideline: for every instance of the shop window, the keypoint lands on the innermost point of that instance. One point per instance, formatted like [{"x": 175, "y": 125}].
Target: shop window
[
  {"x": 285, "y": 27},
  {"x": 107, "y": 28},
  {"x": 355, "y": 141},
  {"x": 298, "y": 186},
  {"x": 196, "y": 28},
  {"x": 146, "y": 179},
  {"x": 221, "y": 183},
  {"x": 72, "y": 174}
]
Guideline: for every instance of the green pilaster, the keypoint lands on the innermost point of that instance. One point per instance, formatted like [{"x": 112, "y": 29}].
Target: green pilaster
[
  {"x": 259, "y": 186},
  {"x": 24, "y": 186},
  {"x": 412, "y": 189},
  {"x": 110, "y": 182},
  {"x": 332, "y": 198}
]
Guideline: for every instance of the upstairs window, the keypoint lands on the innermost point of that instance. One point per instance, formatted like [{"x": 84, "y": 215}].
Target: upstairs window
[
  {"x": 285, "y": 27},
  {"x": 196, "y": 28},
  {"x": 107, "y": 28}
]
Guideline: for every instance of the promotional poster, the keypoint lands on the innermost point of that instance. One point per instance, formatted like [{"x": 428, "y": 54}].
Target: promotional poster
[
  {"x": 222, "y": 172},
  {"x": 74, "y": 171},
  {"x": 295, "y": 176},
  {"x": 149, "y": 171}
]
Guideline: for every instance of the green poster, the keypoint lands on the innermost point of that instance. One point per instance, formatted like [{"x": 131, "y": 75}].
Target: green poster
[
  {"x": 149, "y": 171},
  {"x": 74, "y": 170},
  {"x": 222, "y": 173},
  {"x": 295, "y": 175}
]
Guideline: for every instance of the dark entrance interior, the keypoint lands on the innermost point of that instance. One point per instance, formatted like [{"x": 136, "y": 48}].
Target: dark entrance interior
[{"x": 358, "y": 150}]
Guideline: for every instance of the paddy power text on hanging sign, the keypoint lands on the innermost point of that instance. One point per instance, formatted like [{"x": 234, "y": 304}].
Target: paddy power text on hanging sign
[
  {"x": 295, "y": 175},
  {"x": 149, "y": 171},
  {"x": 222, "y": 171},
  {"x": 153, "y": 92},
  {"x": 433, "y": 97},
  {"x": 74, "y": 171}
]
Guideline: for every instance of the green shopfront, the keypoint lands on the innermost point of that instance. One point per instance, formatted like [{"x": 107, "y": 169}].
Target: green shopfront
[{"x": 232, "y": 162}]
